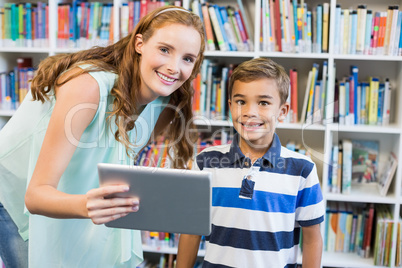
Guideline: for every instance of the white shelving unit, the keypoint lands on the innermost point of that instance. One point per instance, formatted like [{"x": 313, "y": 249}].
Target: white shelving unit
[{"x": 318, "y": 137}]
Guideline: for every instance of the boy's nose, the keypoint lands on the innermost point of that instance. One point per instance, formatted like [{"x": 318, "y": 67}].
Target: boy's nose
[{"x": 250, "y": 111}]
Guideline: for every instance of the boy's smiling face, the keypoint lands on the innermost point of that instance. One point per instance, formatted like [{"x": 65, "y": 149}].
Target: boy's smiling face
[{"x": 255, "y": 107}]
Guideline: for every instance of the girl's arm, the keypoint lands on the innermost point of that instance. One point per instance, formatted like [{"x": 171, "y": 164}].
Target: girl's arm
[
  {"x": 312, "y": 246},
  {"x": 187, "y": 251},
  {"x": 42, "y": 196}
]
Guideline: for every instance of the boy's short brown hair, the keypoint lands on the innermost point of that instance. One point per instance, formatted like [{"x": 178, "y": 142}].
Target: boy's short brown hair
[{"x": 259, "y": 68}]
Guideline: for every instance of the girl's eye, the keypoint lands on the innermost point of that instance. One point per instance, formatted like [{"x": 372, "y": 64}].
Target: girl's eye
[
  {"x": 189, "y": 59},
  {"x": 164, "y": 50},
  {"x": 240, "y": 102}
]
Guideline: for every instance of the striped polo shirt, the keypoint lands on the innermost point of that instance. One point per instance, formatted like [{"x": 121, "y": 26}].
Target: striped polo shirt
[{"x": 264, "y": 230}]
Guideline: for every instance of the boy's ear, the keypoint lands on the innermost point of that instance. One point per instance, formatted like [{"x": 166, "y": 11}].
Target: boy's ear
[
  {"x": 283, "y": 111},
  {"x": 230, "y": 103},
  {"x": 138, "y": 43}
]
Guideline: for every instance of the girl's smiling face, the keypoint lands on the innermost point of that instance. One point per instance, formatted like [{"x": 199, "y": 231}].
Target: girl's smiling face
[{"x": 167, "y": 60}]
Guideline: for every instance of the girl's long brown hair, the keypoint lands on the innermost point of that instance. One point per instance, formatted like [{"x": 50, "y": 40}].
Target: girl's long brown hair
[{"x": 122, "y": 59}]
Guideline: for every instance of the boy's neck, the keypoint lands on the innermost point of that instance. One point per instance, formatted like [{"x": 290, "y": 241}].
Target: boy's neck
[{"x": 253, "y": 152}]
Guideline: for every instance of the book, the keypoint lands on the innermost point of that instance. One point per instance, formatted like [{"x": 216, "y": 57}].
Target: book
[
  {"x": 325, "y": 27},
  {"x": 306, "y": 98},
  {"x": 369, "y": 25},
  {"x": 223, "y": 46},
  {"x": 293, "y": 94},
  {"x": 368, "y": 231},
  {"x": 365, "y": 156},
  {"x": 361, "y": 28},
  {"x": 388, "y": 26},
  {"x": 373, "y": 101},
  {"x": 384, "y": 181},
  {"x": 353, "y": 32},
  {"x": 338, "y": 27},
  {"x": 387, "y": 103},
  {"x": 347, "y": 148},
  {"x": 208, "y": 27}
]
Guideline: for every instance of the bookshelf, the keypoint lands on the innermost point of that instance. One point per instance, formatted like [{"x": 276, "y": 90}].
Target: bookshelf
[{"x": 319, "y": 137}]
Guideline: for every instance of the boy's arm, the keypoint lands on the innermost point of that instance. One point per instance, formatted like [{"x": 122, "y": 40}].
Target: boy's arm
[
  {"x": 188, "y": 249},
  {"x": 312, "y": 246}
]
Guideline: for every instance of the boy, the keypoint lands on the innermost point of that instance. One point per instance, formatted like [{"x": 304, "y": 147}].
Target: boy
[{"x": 262, "y": 193}]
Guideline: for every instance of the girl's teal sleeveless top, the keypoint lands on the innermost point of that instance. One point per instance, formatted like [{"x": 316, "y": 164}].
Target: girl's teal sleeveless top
[{"x": 71, "y": 242}]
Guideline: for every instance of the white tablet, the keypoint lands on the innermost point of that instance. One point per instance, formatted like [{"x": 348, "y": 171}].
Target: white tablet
[{"x": 171, "y": 200}]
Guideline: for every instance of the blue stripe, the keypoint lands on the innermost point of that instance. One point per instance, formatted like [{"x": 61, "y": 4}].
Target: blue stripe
[
  {"x": 309, "y": 196},
  {"x": 229, "y": 197},
  {"x": 207, "y": 264},
  {"x": 311, "y": 222},
  {"x": 253, "y": 240},
  {"x": 279, "y": 165},
  {"x": 291, "y": 166}
]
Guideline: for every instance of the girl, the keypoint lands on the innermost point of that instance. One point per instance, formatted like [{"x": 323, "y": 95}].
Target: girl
[{"x": 98, "y": 105}]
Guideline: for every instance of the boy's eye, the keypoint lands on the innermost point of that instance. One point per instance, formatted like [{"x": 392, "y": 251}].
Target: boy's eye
[
  {"x": 164, "y": 50},
  {"x": 264, "y": 103},
  {"x": 239, "y": 102}
]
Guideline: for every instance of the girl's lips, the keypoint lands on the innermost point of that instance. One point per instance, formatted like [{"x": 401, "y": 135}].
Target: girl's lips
[{"x": 166, "y": 79}]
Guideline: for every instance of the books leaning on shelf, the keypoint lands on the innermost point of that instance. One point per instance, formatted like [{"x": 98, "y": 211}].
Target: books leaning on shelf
[
  {"x": 314, "y": 104},
  {"x": 352, "y": 100},
  {"x": 387, "y": 174},
  {"x": 226, "y": 27}
]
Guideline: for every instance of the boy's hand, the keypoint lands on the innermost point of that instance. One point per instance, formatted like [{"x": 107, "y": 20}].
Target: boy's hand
[
  {"x": 103, "y": 208},
  {"x": 312, "y": 246}
]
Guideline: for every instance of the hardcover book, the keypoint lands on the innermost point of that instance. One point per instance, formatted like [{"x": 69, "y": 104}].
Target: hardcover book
[{"x": 364, "y": 161}]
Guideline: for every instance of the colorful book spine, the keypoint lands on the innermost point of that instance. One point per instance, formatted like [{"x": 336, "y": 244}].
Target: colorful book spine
[
  {"x": 325, "y": 27},
  {"x": 208, "y": 27},
  {"x": 373, "y": 101},
  {"x": 367, "y": 38}
]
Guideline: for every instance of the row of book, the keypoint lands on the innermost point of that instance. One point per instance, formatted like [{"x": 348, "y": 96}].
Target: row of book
[
  {"x": 365, "y": 103},
  {"x": 363, "y": 31},
  {"x": 227, "y": 28},
  {"x": 352, "y": 101},
  {"x": 383, "y": 235},
  {"x": 210, "y": 90},
  {"x": 80, "y": 24},
  {"x": 84, "y": 24},
  {"x": 398, "y": 257},
  {"x": 289, "y": 26},
  {"x": 349, "y": 228},
  {"x": 14, "y": 85},
  {"x": 24, "y": 24},
  {"x": 132, "y": 11},
  {"x": 356, "y": 162}
]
